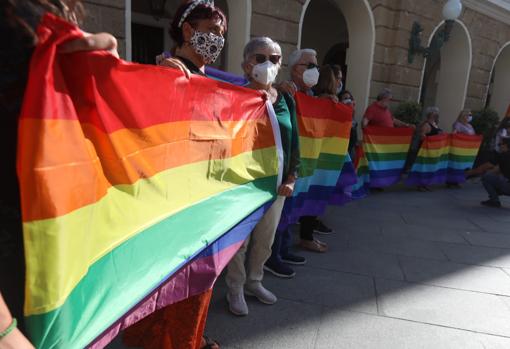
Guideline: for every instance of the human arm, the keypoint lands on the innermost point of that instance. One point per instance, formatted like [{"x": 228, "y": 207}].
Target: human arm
[
  {"x": 288, "y": 87},
  {"x": 399, "y": 123},
  {"x": 91, "y": 42},
  {"x": 424, "y": 130},
  {"x": 15, "y": 339},
  {"x": 287, "y": 187}
]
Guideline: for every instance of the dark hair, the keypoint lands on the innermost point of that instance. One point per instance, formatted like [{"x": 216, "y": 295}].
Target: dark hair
[
  {"x": 385, "y": 93},
  {"x": 346, "y": 92},
  {"x": 202, "y": 11},
  {"x": 327, "y": 81},
  {"x": 505, "y": 123}
]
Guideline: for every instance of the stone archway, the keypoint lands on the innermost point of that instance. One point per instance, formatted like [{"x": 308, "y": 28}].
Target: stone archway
[
  {"x": 351, "y": 34},
  {"x": 446, "y": 75},
  {"x": 498, "y": 94}
]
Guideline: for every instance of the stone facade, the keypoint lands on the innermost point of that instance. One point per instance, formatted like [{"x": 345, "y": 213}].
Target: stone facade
[{"x": 393, "y": 20}]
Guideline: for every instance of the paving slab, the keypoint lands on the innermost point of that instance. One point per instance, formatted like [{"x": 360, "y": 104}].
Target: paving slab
[
  {"x": 479, "y": 312},
  {"x": 454, "y": 275},
  {"x": 343, "y": 330},
  {"x": 477, "y": 255},
  {"x": 357, "y": 261},
  {"x": 326, "y": 287},
  {"x": 488, "y": 239}
]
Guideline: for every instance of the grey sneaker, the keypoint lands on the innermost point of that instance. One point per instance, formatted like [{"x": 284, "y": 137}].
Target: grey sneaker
[
  {"x": 261, "y": 293},
  {"x": 237, "y": 304}
]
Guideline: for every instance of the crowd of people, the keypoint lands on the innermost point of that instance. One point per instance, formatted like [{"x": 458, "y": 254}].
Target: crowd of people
[{"x": 198, "y": 30}]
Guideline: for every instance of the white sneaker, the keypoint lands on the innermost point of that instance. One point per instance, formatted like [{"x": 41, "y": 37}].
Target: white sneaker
[
  {"x": 263, "y": 295},
  {"x": 237, "y": 304}
]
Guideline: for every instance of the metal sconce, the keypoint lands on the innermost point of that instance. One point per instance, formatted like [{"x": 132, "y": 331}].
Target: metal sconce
[{"x": 451, "y": 11}]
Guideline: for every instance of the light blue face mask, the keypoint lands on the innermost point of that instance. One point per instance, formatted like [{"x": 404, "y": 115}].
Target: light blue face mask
[{"x": 339, "y": 88}]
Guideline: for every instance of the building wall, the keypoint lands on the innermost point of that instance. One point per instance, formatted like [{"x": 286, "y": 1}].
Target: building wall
[
  {"x": 393, "y": 22},
  {"x": 107, "y": 16}
]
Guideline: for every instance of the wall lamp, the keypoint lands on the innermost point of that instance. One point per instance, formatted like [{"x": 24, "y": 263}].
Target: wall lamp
[{"x": 451, "y": 11}]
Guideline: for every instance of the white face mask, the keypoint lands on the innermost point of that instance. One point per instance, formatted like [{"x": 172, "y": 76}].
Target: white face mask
[
  {"x": 265, "y": 73},
  {"x": 469, "y": 118},
  {"x": 311, "y": 77},
  {"x": 339, "y": 88}
]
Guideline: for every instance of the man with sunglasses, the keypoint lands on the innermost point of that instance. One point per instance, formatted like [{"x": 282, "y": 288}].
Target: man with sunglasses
[{"x": 497, "y": 181}]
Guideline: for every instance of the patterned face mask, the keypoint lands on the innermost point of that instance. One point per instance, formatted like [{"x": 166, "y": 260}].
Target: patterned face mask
[{"x": 207, "y": 45}]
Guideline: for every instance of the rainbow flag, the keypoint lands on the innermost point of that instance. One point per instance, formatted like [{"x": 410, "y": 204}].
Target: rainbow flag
[
  {"x": 137, "y": 187},
  {"x": 386, "y": 152},
  {"x": 342, "y": 193},
  {"x": 431, "y": 164},
  {"x": 324, "y": 130},
  {"x": 361, "y": 188},
  {"x": 462, "y": 155}
]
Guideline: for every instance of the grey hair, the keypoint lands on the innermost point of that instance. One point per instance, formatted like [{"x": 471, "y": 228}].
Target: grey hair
[
  {"x": 385, "y": 93},
  {"x": 259, "y": 42},
  {"x": 431, "y": 110},
  {"x": 297, "y": 54}
]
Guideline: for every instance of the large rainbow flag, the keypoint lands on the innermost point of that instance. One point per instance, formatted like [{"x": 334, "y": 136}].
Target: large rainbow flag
[
  {"x": 462, "y": 155},
  {"x": 137, "y": 187},
  {"x": 361, "y": 188},
  {"x": 386, "y": 151},
  {"x": 431, "y": 164},
  {"x": 324, "y": 130}
]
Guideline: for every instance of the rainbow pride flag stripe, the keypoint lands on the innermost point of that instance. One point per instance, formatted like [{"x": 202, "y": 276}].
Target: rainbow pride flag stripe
[
  {"x": 386, "y": 152},
  {"x": 361, "y": 189},
  {"x": 431, "y": 164},
  {"x": 342, "y": 193},
  {"x": 128, "y": 174},
  {"x": 462, "y": 155},
  {"x": 324, "y": 130}
]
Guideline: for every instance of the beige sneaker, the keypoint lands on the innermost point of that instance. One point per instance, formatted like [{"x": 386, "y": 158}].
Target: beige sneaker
[
  {"x": 263, "y": 295},
  {"x": 237, "y": 304}
]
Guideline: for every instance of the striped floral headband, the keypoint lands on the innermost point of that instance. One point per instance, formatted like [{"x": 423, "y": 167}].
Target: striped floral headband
[{"x": 191, "y": 7}]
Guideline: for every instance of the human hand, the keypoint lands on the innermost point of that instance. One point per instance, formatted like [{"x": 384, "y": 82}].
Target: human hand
[
  {"x": 176, "y": 64},
  {"x": 91, "y": 42},
  {"x": 287, "y": 188}
]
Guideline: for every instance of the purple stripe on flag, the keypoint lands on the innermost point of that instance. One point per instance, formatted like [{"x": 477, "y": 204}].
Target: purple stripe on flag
[{"x": 195, "y": 277}]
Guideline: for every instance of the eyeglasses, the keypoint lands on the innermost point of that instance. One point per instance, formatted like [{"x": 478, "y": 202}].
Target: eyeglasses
[
  {"x": 261, "y": 58},
  {"x": 309, "y": 65}
]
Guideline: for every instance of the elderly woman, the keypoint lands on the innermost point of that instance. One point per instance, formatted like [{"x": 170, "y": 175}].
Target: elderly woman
[
  {"x": 428, "y": 127},
  {"x": 262, "y": 61},
  {"x": 462, "y": 124}
]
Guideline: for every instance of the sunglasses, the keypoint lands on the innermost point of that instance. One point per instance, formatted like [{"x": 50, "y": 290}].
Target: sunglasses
[
  {"x": 309, "y": 65},
  {"x": 261, "y": 58}
]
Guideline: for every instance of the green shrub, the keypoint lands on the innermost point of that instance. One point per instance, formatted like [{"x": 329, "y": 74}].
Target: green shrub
[
  {"x": 485, "y": 122},
  {"x": 409, "y": 112}
]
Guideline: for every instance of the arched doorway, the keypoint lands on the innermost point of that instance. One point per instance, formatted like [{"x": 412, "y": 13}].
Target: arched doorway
[
  {"x": 342, "y": 32},
  {"x": 498, "y": 95},
  {"x": 446, "y": 74},
  {"x": 148, "y": 34}
]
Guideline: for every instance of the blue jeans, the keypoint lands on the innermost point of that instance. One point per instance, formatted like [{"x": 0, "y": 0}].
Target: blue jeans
[
  {"x": 495, "y": 185},
  {"x": 281, "y": 245}
]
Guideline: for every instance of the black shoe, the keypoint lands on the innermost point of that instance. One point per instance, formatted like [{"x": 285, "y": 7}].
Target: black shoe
[
  {"x": 293, "y": 259},
  {"x": 491, "y": 203},
  {"x": 376, "y": 190},
  {"x": 281, "y": 270},
  {"x": 322, "y": 229}
]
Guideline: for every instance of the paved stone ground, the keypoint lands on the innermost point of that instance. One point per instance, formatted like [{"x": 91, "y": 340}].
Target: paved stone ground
[{"x": 404, "y": 270}]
